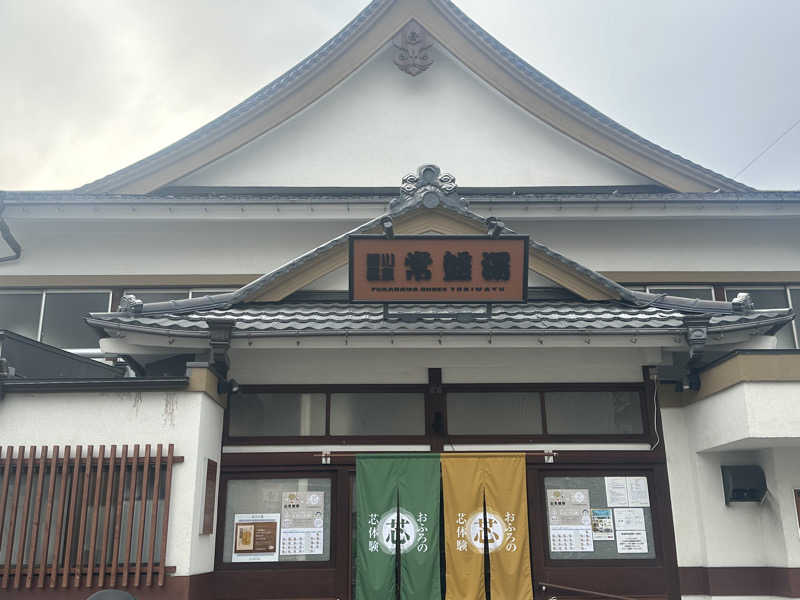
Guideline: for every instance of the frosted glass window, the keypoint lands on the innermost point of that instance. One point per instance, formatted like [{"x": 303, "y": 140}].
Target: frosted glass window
[
  {"x": 209, "y": 292},
  {"x": 148, "y": 296},
  {"x": 479, "y": 413},
  {"x": 276, "y": 414},
  {"x": 768, "y": 298},
  {"x": 376, "y": 413},
  {"x": 251, "y": 496},
  {"x": 593, "y": 412},
  {"x": 702, "y": 293},
  {"x": 63, "y": 325},
  {"x": 19, "y": 312},
  {"x": 795, "y": 293}
]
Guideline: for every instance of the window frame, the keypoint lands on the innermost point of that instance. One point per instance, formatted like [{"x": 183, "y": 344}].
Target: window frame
[
  {"x": 606, "y": 574},
  {"x": 623, "y": 576},
  {"x": 46, "y": 291},
  {"x": 759, "y": 287},
  {"x": 645, "y": 437},
  {"x": 31, "y": 291},
  {"x": 199, "y": 292},
  {"x": 600, "y": 471},
  {"x": 137, "y": 291},
  {"x": 786, "y": 287},
  {"x": 684, "y": 287},
  {"x": 427, "y": 438},
  {"x": 795, "y": 324},
  {"x": 282, "y": 473},
  {"x": 328, "y": 390}
]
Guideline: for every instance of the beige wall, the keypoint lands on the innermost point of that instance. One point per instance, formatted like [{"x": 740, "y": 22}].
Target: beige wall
[
  {"x": 380, "y": 124},
  {"x": 709, "y": 533},
  {"x": 190, "y": 420}
]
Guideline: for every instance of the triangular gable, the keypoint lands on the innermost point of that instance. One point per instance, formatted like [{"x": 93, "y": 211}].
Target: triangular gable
[
  {"x": 446, "y": 215},
  {"x": 345, "y": 140},
  {"x": 329, "y": 257},
  {"x": 370, "y": 31}
]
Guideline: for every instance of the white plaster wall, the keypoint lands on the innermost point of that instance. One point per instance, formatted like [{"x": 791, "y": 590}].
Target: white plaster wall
[
  {"x": 684, "y": 489},
  {"x": 709, "y": 533},
  {"x": 380, "y": 124},
  {"x": 672, "y": 244},
  {"x": 747, "y": 415},
  {"x": 458, "y": 365},
  {"x": 782, "y": 470},
  {"x": 190, "y": 420},
  {"x": 220, "y": 247}
]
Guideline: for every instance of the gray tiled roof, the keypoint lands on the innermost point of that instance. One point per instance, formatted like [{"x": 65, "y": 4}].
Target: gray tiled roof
[
  {"x": 357, "y": 196},
  {"x": 252, "y": 290},
  {"x": 321, "y": 318},
  {"x": 295, "y": 76}
]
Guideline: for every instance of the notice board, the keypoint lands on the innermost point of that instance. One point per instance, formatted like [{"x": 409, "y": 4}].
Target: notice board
[{"x": 599, "y": 518}]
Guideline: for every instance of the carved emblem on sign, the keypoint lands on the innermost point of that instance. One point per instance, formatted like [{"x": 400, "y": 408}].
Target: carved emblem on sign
[
  {"x": 428, "y": 186},
  {"x": 412, "y": 49}
]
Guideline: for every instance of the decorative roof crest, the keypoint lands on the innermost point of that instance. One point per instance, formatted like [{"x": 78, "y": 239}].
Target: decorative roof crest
[
  {"x": 130, "y": 303},
  {"x": 412, "y": 49},
  {"x": 429, "y": 187}
]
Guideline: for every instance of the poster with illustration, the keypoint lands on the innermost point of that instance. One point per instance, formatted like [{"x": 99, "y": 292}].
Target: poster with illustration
[{"x": 255, "y": 537}]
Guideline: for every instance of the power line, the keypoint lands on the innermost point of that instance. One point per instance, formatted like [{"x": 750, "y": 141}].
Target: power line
[{"x": 768, "y": 148}]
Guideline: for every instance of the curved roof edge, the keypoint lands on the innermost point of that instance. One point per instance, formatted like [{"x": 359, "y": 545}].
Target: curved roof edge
[
  {"x": 252, "y": 291},
  {"x": 353, "y": 45}
]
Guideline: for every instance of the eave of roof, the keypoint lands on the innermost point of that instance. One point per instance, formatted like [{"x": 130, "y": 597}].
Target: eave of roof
[
  {"x": 252, "y": 290},
  {"x": 341, "y": 318},
  {"x": 184, "y": 156},
  {"x": 354, "y": 196}
]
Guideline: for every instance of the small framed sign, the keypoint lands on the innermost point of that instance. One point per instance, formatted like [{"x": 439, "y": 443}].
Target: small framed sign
[
  {"x": 209, "y": 498},
  {"x": 430, "y": 269}
]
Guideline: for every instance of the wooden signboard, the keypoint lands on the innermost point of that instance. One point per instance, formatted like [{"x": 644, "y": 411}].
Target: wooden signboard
[
  {"x": 473, "y": 269},
  {"x": 210, "y": 498}
]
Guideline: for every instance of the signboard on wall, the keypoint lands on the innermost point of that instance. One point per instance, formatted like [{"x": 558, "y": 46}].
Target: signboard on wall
[
  {"x": 209, "y": 498},
  {"x": 473, "y": 269},
  {"x": 255, "y": 537},
  {"x": 302, "y": 530}
]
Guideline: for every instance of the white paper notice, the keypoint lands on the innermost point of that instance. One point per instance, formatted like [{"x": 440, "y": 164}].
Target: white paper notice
[
  {"x": 570, "y": 520},
  {"x": 299, "y": 541},
  {"x": 302, "y": 523},
  {"x": 629, "y": 519},
  {"x": 637, "y": 491},
  {"x": 602, "y": 524},
  {"x": 616, "y": 491},
  {"x": 631, "y": 542},
  {"x": 571, "y": 540}
]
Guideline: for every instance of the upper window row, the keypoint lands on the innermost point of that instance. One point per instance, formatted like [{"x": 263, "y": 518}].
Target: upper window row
[
  {"x": 55, "y": 317},
  {"x": 763, "y": 297},
  {"x": 253, "y": 416}
]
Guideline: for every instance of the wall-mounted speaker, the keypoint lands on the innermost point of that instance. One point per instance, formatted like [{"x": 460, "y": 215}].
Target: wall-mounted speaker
[{"x": 743, "y": 483}]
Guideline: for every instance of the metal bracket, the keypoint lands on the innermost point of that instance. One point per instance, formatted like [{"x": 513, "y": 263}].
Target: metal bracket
[
  {"x": 220, "y": 330},
  {"x": 696, "y": 336}
]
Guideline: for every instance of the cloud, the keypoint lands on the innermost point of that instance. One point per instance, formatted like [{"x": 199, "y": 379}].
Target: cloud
[{"x": 92, "y": 86}]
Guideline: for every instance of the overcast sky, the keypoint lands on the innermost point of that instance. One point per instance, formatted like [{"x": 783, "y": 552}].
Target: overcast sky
[{"x": 90, "y": 86}]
